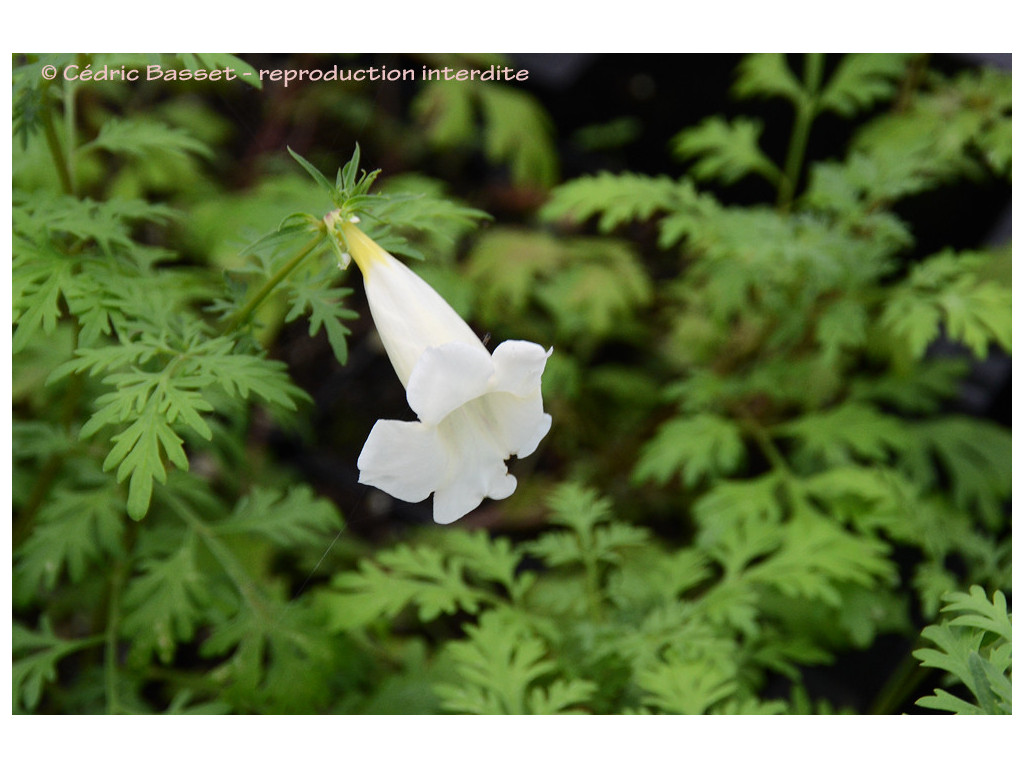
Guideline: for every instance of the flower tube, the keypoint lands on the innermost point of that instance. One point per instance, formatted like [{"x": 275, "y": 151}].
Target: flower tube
[{"x": 475, "y": 409}]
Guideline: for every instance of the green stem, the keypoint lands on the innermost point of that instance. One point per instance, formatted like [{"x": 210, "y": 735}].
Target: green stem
[
  {"x": 25, "y": 518},
  {"x": 806, "y": 110},
  {"x": 593, "y": 586},
  {"x": 246, "y": 587},
  {"x": 764, "y": 442},
  {"x": 243, "y": 315},
  {"x": 901, "y": 684},
  {"x": 57, "y": 152},
  {"x": 69, "y": 132},
  {"x": 911, "y": 83},
  {"x": 110, "y": 667}
]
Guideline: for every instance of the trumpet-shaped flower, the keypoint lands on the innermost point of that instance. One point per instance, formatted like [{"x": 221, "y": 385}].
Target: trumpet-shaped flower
[{"x": 475, "y": 409}]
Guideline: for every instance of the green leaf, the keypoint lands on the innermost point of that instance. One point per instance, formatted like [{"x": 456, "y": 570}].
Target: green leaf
[
  {"x": 974, "y": 455},
  {"x": 860, "y": 80},
  {"x": 36, "y": 655},
  {"x": 243, "y": 374},
  {"x": 847, "y": 432},
  {"x": 725, "y": 151},
  {"x": 767, "y": 74},
  {"x": 593, "y": 536},
  {"x": 418, "y": 209},
  {"x": 597, "y": 291},
  {"x": 975, "y": 649},
  {"x": 518, "y": 131},
  {"x": 694, "y": 447},
  {"x": 689, "y": 683},
  {"x": 949, "y": 288},
  {"x": 976, "y": 611},
  {"x": 522, "y": 259},
  {"x": 288, "y": 519},
  {"x": 325, "y": 308},
  {"x": 403, "y": 576},
  {"x": 618, "y": 198},
  {"x": 312, "y": 170},
  {"x": 280, "y": 661},
  {"x": 487, "y": 557},
  {"x": 106, "y": 223},
  {"x": 499, "y": 667},
  {"x": 740, "y": 521},
  {"x": 165, "y": 603},
  {"x": 74, "y": 530},
  {"x": 842, "y": 327},
  {"x": 138, "y": 454},
  {"x": 512, "y": 129},
  {"x": 817, "y": 556},
  {"x": 140, "y": 136},
  {"x": 38, "y": 288}
]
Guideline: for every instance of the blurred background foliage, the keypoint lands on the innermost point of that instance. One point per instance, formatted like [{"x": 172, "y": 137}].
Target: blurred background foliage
[{"x": 778, "y": 292}]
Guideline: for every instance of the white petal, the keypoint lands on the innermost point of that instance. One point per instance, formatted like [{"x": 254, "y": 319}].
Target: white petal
[
  {"x": 410, "y": 315},
  {"x": 518, "y": 366},
  {"x": 477, "y": 468},
  {"x": 519, "y": 423},
  {"x": 447, "y": 377},
  {"x": 403, "y": 458}
]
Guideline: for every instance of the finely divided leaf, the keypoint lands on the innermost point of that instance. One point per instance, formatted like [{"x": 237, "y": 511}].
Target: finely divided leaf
[
  {"x": 290, "y": 519},
  {"x": 767, "y": 74},
  {"x": 326, "y": 310},
  {"x": 618, "y": 198},
  {"x": 693, "y": 447},
  {"x": 403, "y": 576},
  {"x": 725, "y": 151},
  {"x": 861, "y": 79},
  {"x": 75, "y": 529},
  {"x": 165, "y": 603}
]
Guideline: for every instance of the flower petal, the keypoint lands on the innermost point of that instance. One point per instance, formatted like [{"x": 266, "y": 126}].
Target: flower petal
[
  {"x": 518, "y": 366},
  {"x": 477, "y": 467},
  {"x": 406, "y": 459},
  {"x": 410, "y": 316},
  {"x": 519, "y": 423},
  {"x": 447, "y": 377}
]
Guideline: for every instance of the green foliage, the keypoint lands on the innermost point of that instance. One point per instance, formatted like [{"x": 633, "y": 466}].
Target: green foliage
[
  {"x": 421, "y": 576},
  {"x": 756, "y": 466},
  {"x": 513, "y": 127},
  {"x": 698, "y": 446},
  {"x": 727, "y": 151},
  {"x": 36, "y": 655},
  {"x": 974, "y": 649},
  {"x": 499, "y": 665},
  {"x": 659, "y": 628}
]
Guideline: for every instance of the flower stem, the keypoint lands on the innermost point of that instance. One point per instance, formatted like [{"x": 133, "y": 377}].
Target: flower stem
[
  {"x": 806, "y": 109},
  {"x": 243, "y": 315}
]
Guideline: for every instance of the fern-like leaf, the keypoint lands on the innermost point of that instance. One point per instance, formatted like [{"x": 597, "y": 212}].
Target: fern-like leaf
[
  {"x": 500, "y": 666},
  {"x": 974, "y": 648},
  {"x": 36, "y": 655},
  {"x": 860, "y": 80},
  {"x": 694, "y": 447},
  {"x": 761, "y": 75},
  {"x": 382, "y": 588},
  {"x": 725, "y": 151}
]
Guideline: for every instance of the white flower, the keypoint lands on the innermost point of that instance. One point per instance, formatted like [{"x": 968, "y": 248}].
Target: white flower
[{"x": 475, "y": 409}]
